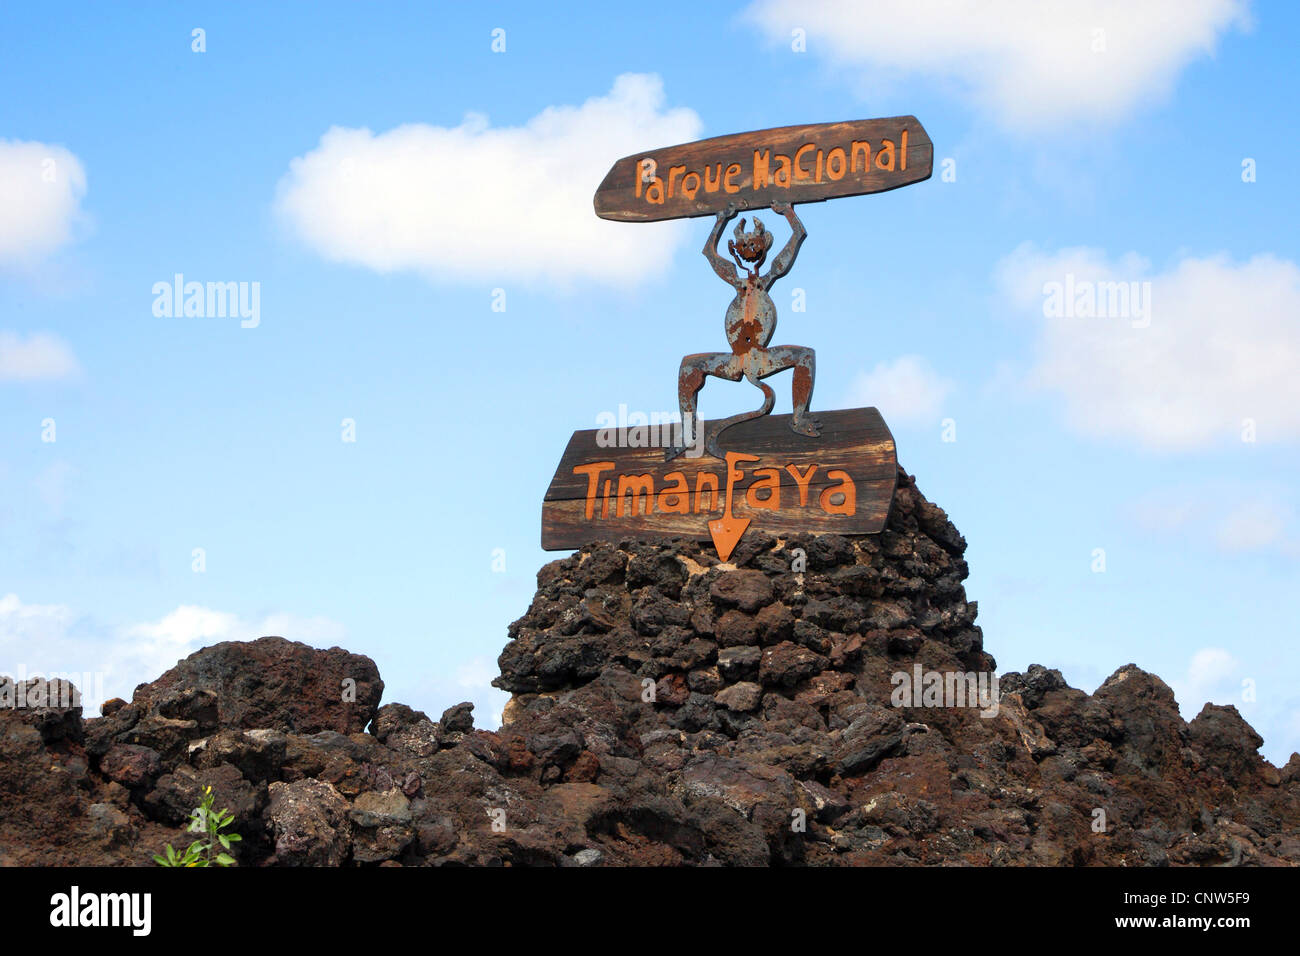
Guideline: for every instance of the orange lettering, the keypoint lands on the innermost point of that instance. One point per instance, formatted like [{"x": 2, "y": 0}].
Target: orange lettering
[
  {"x": 673, "y": 173},
  {"x": 592, "y": 472},
  {"x": 848, "y": 504},
  {"x": 638, "y": 485},
  {"x": 902, "y": 154},
  {"x": 886, "y": 148},
  {"x": 782, "y": 175},
  {"x": 681, "y": 491},
  {"x": 836, "y": 163},
  {"x": 711, "y": 184},
  {"x": 771, "y": 483},
  {"x": 654, "y": 193},
  {"x": 801, "y": 174},
  {"x": 706, "y": 481},
  {"x": 732, "y": 170},
  {"x": 802, "y": 481},
  {"x": 760, "y": 167},
  {"x": 863, "y": 147},
  {"x": 690, "y": 191}
]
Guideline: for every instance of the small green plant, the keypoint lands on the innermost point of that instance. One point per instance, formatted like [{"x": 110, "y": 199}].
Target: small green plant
[{"x": 211, "y": 851}]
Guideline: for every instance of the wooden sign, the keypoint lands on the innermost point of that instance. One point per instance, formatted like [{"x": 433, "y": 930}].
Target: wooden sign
[
  {"x": 614, "y": 484},
  {"x": 790, "y": 164}
]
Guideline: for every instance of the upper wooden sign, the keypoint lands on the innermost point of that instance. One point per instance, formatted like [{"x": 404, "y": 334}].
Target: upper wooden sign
[{"x": 790, "y": 164}]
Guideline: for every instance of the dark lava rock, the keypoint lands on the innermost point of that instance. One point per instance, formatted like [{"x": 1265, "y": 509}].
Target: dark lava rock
[
  {"x": 131, "y": 765},
  {"x": 666, "y": 710},
  {"x": 279, "y": 684},
  {"x": 458, "y": 719},
  {"x": 309, "y": 824}
]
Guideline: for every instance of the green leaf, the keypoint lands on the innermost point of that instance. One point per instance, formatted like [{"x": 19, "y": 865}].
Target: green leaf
[
  {"x": 225, "y": 859},
  {"x": 234, "y": 837},
  {"x": 224, "y": 840}
]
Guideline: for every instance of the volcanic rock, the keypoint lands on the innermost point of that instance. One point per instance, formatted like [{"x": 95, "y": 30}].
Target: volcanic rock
[{"x": 669, "y": 709}]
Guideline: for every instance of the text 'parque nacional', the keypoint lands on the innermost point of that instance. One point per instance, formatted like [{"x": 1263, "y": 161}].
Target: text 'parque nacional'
[{"x": 790, "y": 164}]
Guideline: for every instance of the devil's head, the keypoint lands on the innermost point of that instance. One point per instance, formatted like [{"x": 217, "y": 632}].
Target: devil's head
[{"x": 752, "y": 247}]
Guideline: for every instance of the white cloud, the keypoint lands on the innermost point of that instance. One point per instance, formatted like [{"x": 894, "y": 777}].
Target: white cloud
[
  {"x": 480, "y": 201},
  {"x": 1030, "y": 63},
  {"x": 473, "y": 682},
  {"x": 35, "y": 358},
  {"x": 1253, "y": 526},
  {"x": 906, "y": 390},
  {"x": 1237, "y": 518},
  {"x": 1220, "y": 347},
  {"x": 19, "y": 620},
  {"x": 109, "y": 662},
  {"x": 177, "y": 634},
  {"x": 1212, "y": 675},
  {"x": 41, "y": 187}
]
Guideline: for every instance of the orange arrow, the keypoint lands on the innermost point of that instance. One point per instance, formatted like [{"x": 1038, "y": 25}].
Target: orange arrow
[{"x": 726, "y": 531}]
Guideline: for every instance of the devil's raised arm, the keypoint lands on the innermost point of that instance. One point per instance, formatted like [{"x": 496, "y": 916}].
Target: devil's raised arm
[
  {"x": 782, "y": 263},
  {"x": 725, "y": 269}
]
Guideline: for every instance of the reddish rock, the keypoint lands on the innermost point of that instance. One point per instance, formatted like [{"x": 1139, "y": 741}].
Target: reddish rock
[
  {"x": 309, "y": 823},
  {"x": 280, "y": 684},
  {"x": 584, "y": 769},
  {"x": 736, "y": 628},
  {"x": 131, "y": 765},
  {"x": 787, "y": 664},
  {"x": 742, "y": 697},
  {"x": 774, "y": 624},
  {"x": 771, "y": 737},
  {"x": 747, "y": 590}
]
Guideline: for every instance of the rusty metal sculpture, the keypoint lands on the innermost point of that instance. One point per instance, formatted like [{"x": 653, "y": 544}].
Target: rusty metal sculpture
[
  {"x": 750, "y": 322},
  {"x": 834, "y": 476}
]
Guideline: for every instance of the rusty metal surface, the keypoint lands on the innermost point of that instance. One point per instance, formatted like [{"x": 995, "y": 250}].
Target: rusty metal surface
[{"x": 750, "y": 323}]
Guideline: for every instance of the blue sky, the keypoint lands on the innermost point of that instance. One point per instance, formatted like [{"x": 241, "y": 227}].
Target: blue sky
[{"x": 384, "y": 177}]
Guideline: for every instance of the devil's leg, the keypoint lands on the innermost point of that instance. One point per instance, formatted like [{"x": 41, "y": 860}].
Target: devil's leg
[
  {"x": 690, "y": 379},
  {"x": 804, "y": 362}
]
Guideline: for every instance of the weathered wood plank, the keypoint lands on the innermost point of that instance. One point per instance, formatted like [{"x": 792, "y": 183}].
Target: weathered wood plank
[
  {"x": 769, "y": 435},
  {"x": 778, "y": 482},
  {"x": 564, "y": 525},
  {"x": 792, "y": 164}
]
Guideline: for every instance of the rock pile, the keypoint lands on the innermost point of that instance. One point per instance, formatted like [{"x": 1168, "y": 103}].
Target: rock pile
[{"x": 668, "y": 709}]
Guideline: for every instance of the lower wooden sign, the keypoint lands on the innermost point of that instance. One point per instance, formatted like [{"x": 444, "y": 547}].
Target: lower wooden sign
[{"x": 772, "y": 480}]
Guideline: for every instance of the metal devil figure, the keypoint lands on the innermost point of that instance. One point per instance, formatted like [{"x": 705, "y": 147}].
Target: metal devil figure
[
  {"x": 751, "y": 320},
  {"x": 782, "y": 474}
]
